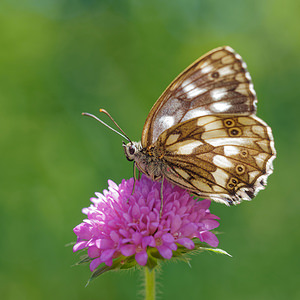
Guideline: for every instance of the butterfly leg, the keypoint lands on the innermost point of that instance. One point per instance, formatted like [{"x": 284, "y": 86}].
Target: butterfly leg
[
  {"x": 161, "y": 197},
  {"x": 134, "y": 177}
]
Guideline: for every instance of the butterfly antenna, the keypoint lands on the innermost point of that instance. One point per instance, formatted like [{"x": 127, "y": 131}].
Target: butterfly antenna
[
  {"x": 119, "y": 133},
  {"x": 104, "y": 111}
]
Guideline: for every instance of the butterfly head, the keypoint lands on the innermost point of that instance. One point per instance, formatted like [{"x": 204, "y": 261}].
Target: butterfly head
[{"x": 131, "y": 149}]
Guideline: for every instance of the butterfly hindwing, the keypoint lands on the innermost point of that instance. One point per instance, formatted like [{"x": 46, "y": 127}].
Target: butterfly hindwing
[
  {"x": 227, "y": 158},
  {"x": 217, "y": 83}
]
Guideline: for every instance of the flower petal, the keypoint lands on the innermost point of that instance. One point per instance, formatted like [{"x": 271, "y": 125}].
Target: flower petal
[
  {"x": 173, "y": 246},
  {"x": 137, "y": 238},
  {"x": 104, "y": 243},
  {"x": 136, "y": 211},
  {"x": 79, "y": 245},
  {"x": 168, "y": 238},
  {"x": 209, "y": 224},
  {"x": 176, "y": 223},
  {"x": 112, "y": 185},
  {"x": 188, "y": 229},
  {"x": 187, "y": 243},
  {"x": 209, "y": 238},
  {"x": 148, "y": 241},
  {"x": 83, "y": 231},
  {"x": 107, "y": 254},
  {"x": 204, "y": 204},
  {"x": 95, "y": 263},
  {"x": 114, "y": 236},
  {"x": 165, "y": 252},
  {"x": 128, "y": 250},
  {"x": 94, "y": 252},
  {"x": 141, "y": 258}
]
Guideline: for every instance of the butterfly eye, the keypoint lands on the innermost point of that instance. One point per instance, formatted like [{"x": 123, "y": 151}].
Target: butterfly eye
[{"x": 131, "y": 149}]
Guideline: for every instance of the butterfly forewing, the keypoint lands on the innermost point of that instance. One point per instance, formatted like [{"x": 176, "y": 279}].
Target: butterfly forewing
[
  {"x": 217, "y": 83},
  {"x": 227, "y": 158}
]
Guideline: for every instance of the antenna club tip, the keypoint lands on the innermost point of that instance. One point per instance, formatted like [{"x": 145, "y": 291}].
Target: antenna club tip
[{"x": 102, "y": 110}]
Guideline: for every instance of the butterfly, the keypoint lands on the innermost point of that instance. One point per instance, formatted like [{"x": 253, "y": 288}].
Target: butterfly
[{"x": 203, "y": 135}]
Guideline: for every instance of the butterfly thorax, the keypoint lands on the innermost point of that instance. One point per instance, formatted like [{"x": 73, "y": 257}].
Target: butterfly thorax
[{"x": 149, "y": 161}]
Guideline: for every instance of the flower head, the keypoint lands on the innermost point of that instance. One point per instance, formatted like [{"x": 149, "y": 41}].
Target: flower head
[{"x": 122, "y": 224}]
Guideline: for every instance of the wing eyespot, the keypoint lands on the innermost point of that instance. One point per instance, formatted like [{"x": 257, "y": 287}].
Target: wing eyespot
[
  {"x": 235, "y": 131},
  {"x": 229, "y": 123},
  {"x": 232, "y": 183},
  {"x": 215, "y": 75},
  {"x": 230, "y": 186},
  {"x": 244, "y": 153},
  {"x": 240, "y": 169}
]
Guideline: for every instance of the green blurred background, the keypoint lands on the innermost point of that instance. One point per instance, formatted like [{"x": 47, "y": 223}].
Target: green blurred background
[{"x": 61, "y": 57}]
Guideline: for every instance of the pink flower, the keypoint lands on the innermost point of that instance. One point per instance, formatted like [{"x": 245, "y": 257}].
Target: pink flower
[{"x": 120, "y": 224}]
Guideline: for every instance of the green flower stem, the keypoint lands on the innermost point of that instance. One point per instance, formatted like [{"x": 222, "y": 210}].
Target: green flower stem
[{"x": 149, "y": 284}]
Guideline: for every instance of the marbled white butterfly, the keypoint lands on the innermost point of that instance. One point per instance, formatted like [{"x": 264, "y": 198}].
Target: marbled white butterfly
[{"x": 202, "y": 133}]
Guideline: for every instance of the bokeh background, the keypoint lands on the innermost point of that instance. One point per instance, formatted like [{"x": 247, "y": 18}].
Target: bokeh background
[{"x": 61, "y": 57}]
